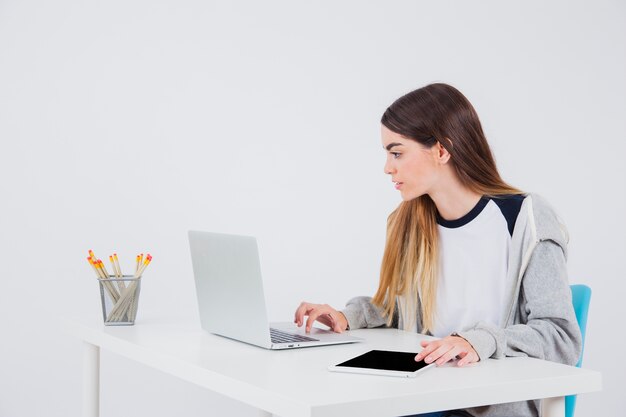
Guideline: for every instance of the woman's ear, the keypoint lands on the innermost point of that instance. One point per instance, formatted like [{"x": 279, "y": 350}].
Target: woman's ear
[{"x": 443, "y": 156}]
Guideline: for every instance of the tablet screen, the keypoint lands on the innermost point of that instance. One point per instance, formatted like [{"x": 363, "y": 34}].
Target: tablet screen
[{"x": 385, "y": 360}]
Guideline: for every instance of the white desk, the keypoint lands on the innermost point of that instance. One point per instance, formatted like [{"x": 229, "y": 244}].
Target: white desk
[{"x": 276, "y": 384}]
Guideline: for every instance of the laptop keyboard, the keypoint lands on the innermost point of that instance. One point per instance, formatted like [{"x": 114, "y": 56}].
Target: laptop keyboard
[{"x": 284, "y": 337}]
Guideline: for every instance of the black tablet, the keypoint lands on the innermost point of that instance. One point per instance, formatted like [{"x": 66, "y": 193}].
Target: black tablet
[{"x": 383, "y": 362}]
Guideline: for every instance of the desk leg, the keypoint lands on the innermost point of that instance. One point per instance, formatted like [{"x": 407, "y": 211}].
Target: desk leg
[
  {"x": 553, "y": 407},
  {"x": 91, "y": 380}
]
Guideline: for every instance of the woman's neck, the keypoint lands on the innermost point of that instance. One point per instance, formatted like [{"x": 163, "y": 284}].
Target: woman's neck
[{"x": 453, "y": 200}]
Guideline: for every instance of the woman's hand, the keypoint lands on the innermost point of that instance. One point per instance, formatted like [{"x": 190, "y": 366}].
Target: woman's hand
[
  {"x": 443, "y": 350},
  {"x": 323, "y": 313}
]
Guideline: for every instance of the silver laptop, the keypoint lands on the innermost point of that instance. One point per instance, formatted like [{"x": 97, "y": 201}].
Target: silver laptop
[{"x": 231, "y": 300}]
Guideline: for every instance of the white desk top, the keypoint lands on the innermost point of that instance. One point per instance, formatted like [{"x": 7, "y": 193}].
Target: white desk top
[{"x": 297, "y": 383}]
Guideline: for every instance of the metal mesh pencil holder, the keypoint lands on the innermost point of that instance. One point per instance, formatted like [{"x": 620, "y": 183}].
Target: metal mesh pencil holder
[{"x": 120, "y": 297}]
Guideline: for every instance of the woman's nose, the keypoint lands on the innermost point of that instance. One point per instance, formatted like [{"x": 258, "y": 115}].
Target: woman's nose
[{"x": 387, "y": 168}]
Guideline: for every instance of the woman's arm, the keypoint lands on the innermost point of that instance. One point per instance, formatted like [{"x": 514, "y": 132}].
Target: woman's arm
[
  {"x": 550, "y": 331},
  {"x": 361, "y": 313}
]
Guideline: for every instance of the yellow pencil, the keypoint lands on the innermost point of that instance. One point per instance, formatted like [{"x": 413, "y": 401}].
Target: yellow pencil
[
  {"x": 108, "y": 285},
  {"x": 103, "y": 271},
  {"x": 118, "y": 272},
  {"x": 93, "y": 266},
  {"x": 106, "y": 273},
  {"x": 113, "y": 265},
  {"x": 92, "y": 261},
  {"x": 138, "y": 263},
  {"x": 143, "y": 267},
  {"x": 117, "y": 263},
  {"x": 96, "y": 265},
  {"x": 97, "y": 262}
]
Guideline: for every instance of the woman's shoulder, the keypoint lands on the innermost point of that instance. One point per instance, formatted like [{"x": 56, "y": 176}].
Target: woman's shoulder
[{"x": 544, "y": 218}]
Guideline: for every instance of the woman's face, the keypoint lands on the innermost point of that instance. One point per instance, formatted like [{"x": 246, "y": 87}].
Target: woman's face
[{"x": 414, "y": 168}]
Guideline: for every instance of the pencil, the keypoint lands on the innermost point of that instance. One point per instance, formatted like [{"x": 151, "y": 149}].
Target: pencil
[
  {"x": 119, "y": 271},
  {"x": 118, "y": 275},
  {"x": 144, "y": 266},
  {"x": 92, "y": 260},
  {"x": 106, "y": 273},
  {"x": 99, "y": 266},
  {"x": 132, "y": 312},
  {"x": 117, "y": 264},
  {"x": 96, "y": 265},
  {"x": 92, "y": 255},
  {"x": 132, "y": 307},
  {"x": 127, "y": 304},
  {"x": 113, "y": 265},
  {"x": 93, "y": 266},
  {"x": 138, "y": 263}
]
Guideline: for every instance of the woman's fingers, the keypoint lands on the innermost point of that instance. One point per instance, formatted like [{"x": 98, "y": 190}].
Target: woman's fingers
[
  {"x": 313, "y": 315},
  {"x": 327, "y": 320},
  {"x": 443, "y": 350},
  {"x": 305, "y": 309},
  {"x": 323, "y": 313},
  {"x": 438, "y": 353},
  {"x": 301, "y": 311},
  {"x": 428, "y": 348},
  {"x": 470, "y": 357},
  {"x": 448, "y": 356}
]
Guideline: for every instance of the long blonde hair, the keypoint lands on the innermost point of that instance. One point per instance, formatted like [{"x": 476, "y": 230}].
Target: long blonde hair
[{"x": 436, "y": 113}]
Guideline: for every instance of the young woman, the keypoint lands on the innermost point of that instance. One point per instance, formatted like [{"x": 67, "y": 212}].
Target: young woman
[{"x": 468, "y": 258}]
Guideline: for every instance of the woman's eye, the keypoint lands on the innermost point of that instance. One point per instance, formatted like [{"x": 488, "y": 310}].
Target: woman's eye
[{"x": 396, "y": 155}]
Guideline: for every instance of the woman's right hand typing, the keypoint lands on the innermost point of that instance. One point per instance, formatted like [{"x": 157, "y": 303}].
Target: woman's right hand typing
[{"x": 323, "y": 313}]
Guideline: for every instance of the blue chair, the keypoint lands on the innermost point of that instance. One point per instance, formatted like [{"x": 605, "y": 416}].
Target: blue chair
[{"x": 581, "y": 296}]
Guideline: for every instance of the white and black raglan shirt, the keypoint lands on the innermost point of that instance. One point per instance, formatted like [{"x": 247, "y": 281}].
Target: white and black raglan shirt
[{"x": 473, "y": 262}]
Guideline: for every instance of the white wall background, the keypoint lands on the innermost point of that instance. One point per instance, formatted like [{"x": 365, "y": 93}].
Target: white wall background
[{"x": 125, "y": 123}]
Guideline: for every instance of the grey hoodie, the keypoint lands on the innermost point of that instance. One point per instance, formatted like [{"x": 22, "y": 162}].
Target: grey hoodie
[{"x": 540, "y": 319}]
